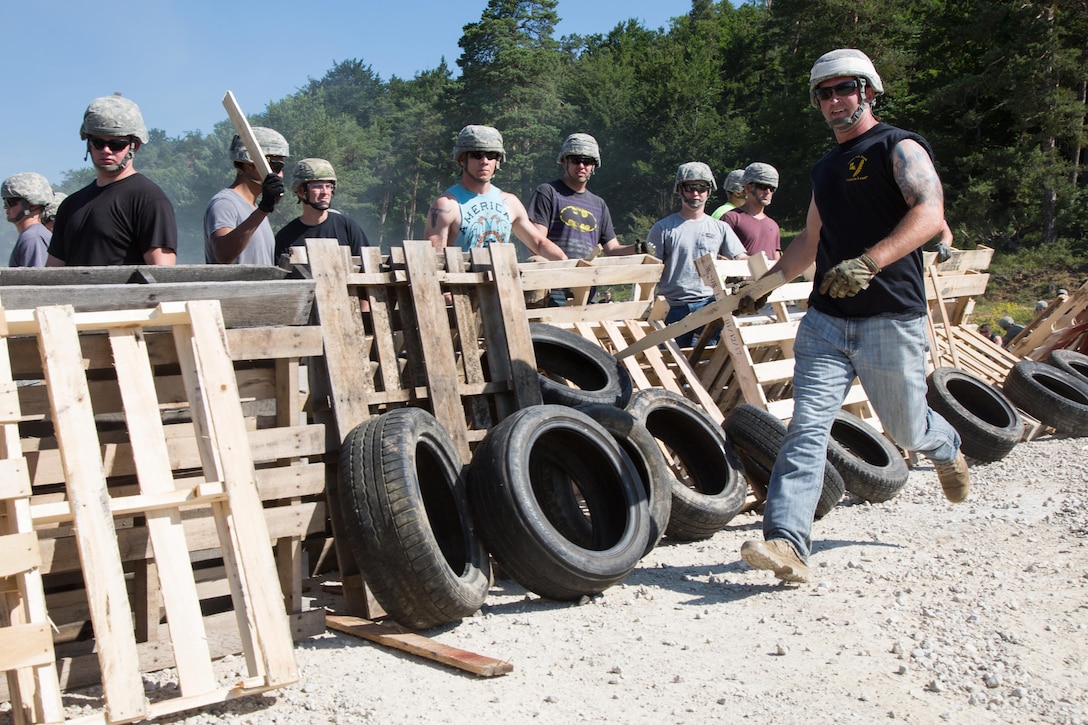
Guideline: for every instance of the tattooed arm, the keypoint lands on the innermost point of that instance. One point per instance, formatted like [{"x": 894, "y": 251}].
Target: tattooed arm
[
  {"x": 921, "y": 188},
  {"x": 443, "y": 222}
]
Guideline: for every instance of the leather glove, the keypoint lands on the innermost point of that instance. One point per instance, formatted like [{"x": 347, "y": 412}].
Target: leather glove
[
  {"x": 848, "y": 278},
  {"x": 271, "y": 191},
  {"x": 747, "y": 305},
  {"x": 643, "y": 247},
  {"x": 944, "y": 252}
]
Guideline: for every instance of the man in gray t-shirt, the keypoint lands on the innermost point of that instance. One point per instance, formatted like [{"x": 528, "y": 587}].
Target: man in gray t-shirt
[
  {"x": 236, "y": 228},
  {"x": 681, "y": 238}
]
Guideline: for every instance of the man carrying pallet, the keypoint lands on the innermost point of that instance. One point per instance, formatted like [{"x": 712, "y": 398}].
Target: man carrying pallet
[
  {"x": 876, "y": 200},
  {"x": 571, "y": 215},
  {"x": 236, "y": 228},
  {"x": 475, "y": 213}
]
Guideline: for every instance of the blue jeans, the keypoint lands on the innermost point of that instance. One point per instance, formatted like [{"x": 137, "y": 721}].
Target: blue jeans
[
  {"x": 682, "y": 310},
  {"x": 888, "y": 356}
]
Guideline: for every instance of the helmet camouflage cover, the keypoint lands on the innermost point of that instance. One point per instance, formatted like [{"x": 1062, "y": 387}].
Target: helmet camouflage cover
[
  {"x": 694, "y": 171},
  {"x": 27, "y": 185},
  {"x": 580, "y": 144},
  {"x": 478, "y": 138},
  {"x": 270, "y": 140},
  {"x": 113, "y": 116},
  {"x": 308, "y": 170},
  {"x": 50, "y": 212},
  {"x": 761, "y": 173},
  {"x": 840, "y": 63},
  {"x": 734, "y": 181}
]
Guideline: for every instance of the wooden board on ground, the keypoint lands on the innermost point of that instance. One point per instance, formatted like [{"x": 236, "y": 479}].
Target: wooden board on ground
[{"x": 419, "y": 645}]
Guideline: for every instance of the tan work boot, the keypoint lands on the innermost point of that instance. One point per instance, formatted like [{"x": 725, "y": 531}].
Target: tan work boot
[
  {"x": 776, "y": 555},
  {"x": 955, "y": 478}
]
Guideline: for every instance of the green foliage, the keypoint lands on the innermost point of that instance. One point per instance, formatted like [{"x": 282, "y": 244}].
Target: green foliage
[{"x": 996, "y": 86}]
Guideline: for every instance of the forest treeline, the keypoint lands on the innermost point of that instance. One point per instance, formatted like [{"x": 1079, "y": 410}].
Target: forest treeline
[{"x": 998, "y": 87}]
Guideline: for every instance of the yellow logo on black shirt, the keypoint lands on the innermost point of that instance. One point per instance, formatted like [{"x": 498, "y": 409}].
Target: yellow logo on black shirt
[
  {"x": 856, "y": 165},
  {"x": 578, "y": 218}
]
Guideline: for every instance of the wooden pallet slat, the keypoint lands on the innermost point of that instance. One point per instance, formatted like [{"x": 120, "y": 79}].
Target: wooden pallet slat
[
  {"x": 26, "y": 650},
  {"x": 95, "y": 533}
]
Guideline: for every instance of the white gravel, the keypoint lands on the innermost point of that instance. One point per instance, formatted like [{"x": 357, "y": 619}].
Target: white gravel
[{"x": 921, "y": 611}]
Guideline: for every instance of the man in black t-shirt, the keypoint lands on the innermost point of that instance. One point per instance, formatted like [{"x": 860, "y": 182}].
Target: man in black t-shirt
[
  {"x": 314, "y": 183},
  {"x": 122, "y": 217}
]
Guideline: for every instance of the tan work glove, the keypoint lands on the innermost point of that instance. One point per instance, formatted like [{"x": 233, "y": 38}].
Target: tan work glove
[
  {"x": 747, "y": 305},
  {"x": 848, "y": 278}
]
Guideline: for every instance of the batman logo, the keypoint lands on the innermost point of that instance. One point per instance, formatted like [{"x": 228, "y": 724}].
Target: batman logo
[{"x": 578, "y": 218}]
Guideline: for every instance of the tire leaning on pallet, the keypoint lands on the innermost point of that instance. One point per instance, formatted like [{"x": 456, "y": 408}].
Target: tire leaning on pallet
[
  {"x": 757, "y": 436},
  {"x": 988, "y": 423},
  {"x": 1070, "y": 361},
  {"x": 708, "y": 489},
  {"x": 401, "y": 488},
  {"x": 574, "y": 371},
  {"x": 872, "y": 468},
  {"x": 520, "y": 487},
  {"x": 1053, "y": 396},
  {"x": 641, "y": 447}
]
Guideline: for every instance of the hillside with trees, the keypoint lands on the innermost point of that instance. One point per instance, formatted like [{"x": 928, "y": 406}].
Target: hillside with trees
[{"x": 999, "y": 88}]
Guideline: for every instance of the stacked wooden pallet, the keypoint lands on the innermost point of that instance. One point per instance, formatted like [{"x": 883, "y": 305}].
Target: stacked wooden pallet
[
  {"x": 1063, "y": 325},
  {"x": 128, "y": 502}
]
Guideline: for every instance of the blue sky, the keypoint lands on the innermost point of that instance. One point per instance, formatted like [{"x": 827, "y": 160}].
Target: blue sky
[{"x": 177, "y": 59}]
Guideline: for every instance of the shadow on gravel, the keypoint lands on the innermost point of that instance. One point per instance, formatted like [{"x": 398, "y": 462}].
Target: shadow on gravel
[{"x": 828, "y": 544}]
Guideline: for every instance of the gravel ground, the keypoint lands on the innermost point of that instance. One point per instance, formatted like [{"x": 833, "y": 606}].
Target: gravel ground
[{"x": 920, "y": 611}]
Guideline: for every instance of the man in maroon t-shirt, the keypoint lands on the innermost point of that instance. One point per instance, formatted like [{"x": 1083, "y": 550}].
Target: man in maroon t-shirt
[{"x": 757, "y": 231}]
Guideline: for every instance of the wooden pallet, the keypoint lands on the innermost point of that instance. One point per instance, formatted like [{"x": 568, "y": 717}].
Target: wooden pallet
[
  {"x": 226, "y": 487},
  {"x": 470, "y": 363},
  {"x": 439, "y": 331},
  {"x": 26, "y": 640},
  {"x": 641, "y": 271},
  {"x": 753, "y": 360},
  {"x": 290, "y": 476},
  {"x": 1062, "y": 325},
  {"x": 655, "y": 367}
]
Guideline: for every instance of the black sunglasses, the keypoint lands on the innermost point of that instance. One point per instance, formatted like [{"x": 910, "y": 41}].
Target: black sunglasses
[
  {"x": 115, "y": 144},
  {"x": 276, "y": 166},
  {"x": 842, "y": 90},
  {"x": 583, "y": 160}
]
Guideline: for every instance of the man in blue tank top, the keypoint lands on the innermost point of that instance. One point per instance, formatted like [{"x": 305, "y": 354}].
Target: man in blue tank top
[
  {"x": 475, "y": 213},
  {"x": 876, "y": 200}
]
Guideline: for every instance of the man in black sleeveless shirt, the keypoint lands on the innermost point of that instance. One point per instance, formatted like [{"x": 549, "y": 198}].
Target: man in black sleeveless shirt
[{"x": 876, "y": 200}]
